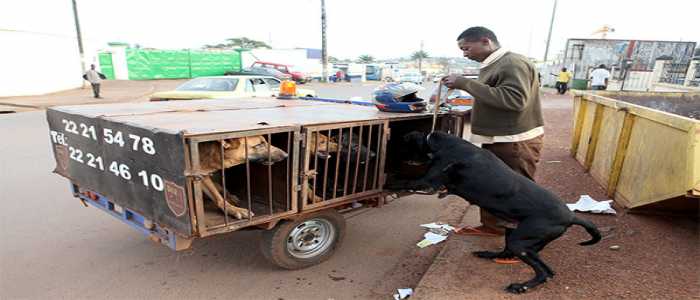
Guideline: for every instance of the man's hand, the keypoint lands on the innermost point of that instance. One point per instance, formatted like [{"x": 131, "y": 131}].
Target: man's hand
[{"x": 451, "y": 81}]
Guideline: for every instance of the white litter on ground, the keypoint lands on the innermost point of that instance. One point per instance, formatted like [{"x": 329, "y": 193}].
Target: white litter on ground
[
  {"x": 438, "y": 225},
  {"x": 403, "y": 294},
  {"x": 431, "y": 239},
  {"x": 437, "y": 232},
  {"x": 587, "y": 204}
]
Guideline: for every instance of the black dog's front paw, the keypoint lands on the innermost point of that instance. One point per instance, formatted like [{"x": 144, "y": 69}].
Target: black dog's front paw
[{"x": 516, "y": 288}]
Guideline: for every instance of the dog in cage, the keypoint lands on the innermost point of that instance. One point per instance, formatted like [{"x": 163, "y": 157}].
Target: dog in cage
[
  {"x": 234, "y": 152},
  {"x": 256, "y": 148},
  {"x": 349, "y": 150}
]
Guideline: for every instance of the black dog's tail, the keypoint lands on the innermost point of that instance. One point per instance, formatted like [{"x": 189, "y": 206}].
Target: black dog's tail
[{"x": 590, "y": 228}]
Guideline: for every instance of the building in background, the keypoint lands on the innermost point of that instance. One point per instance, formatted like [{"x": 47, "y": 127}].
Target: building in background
[
  {"x": 39, "y": 56},
  {"x": 628, "y": 58}
]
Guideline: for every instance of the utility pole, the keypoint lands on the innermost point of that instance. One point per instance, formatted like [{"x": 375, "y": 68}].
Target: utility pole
[
  {"x": 80, "y": 39},
  {"x": 549, "y": 36},
  {"x": 420, "y": 59},
  {"x": 324, "y": 49}
]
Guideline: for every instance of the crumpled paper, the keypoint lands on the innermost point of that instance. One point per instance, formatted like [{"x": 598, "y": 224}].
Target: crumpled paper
[
  {"x": 587, "y": 204},
  {"x": 403, "y": 293},
  {"x": 431, "y": 239},
  {"x": 437, "y": 232}
]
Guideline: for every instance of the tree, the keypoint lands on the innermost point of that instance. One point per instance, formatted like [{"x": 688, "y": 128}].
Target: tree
[
  {"x": 242, "y": 42},
  {"x": 419, "y": 56},
  {"x": 365, "y": 59},
  {"x": 333, "y": 59}
]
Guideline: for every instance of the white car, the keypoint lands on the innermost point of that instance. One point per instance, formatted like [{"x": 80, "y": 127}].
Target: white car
[
  {"x": 227, "y": 87},
  {"x": 416, "y": 77}
]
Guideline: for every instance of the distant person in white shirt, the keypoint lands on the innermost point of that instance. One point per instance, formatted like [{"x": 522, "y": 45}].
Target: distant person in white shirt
[
  {"x": 599, "y": 78},
  {"x": 95, "y": 78}
]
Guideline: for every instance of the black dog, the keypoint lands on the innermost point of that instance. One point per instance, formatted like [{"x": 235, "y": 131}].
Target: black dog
[{"x": 481, "y": 178}]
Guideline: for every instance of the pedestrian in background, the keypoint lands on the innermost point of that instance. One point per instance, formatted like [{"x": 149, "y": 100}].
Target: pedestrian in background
[
  {"x": 563, "y": 79},
  {"x": 506, "y": 118},
  {"x": 95, "y": 79},
  {"x": 599, "y": 78}
]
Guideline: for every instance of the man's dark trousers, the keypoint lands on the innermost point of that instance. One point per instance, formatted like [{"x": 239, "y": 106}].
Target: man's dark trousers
[{"x": 96, "y": 89}]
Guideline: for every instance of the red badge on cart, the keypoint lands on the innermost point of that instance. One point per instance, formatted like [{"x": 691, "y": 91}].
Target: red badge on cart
[{"x": 175, "y": 197}]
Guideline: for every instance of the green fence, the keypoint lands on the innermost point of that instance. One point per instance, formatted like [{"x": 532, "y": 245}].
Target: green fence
[
  {"x": 171, "y": 64},
  {"x": 106, "y": 66},
  {"x": 208, "y": 63}
]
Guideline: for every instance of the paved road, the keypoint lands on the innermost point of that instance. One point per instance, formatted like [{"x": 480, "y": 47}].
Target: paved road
[{"x": 53, "y": 247}]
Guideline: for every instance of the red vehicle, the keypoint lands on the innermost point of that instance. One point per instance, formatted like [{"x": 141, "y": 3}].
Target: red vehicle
[{"x": 298, "y": 77}]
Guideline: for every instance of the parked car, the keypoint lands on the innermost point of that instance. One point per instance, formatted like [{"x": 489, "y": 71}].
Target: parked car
[
  {"x": 261, "y": 72},
  {"x": 455, "y": 96},
  {"x": 414, "y": 77},
  {"x": 297, "y": 76},
  {"x": 226, "y": 87}
]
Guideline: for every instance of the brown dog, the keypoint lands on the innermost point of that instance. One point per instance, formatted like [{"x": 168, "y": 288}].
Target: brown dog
[
  {"x": 326, "y": 146},
  {"x": 257, "y": 149},
  {"x": 234, "y": 151}
]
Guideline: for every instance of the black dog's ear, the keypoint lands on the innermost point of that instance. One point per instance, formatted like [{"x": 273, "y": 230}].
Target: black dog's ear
[{"x": 413, "y": 135}]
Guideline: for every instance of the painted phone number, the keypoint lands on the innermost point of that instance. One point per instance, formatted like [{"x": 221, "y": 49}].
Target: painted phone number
[
  {"x": 109, "y": 136},
  {"x": 149, "y": 180}
]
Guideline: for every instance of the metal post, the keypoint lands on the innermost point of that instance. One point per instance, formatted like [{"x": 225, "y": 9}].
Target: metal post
[
  {"x": 80, "y": 40},
  {"x": 420, "y": 59},
  {"x": 551, "y": 25},
  {"x": 324, "y": 49},
  {"x": 436, "y": 107}
]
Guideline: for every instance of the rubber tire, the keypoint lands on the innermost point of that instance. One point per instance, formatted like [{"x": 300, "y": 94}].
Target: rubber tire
[{"x": 273, "y": 243}]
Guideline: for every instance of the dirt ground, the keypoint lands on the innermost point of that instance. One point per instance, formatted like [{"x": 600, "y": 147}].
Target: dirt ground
[{"x": 657, "y": 256}]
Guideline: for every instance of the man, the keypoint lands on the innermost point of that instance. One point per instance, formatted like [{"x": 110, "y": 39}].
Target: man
[
  {"x": 506, "y": 117},
  {"x": 599, "y": 78},
  {"x": 563, "y": 79},
  {"x": 95, "y": 78}
]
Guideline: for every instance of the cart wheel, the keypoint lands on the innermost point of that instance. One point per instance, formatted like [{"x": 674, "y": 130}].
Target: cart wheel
[{"x": 306, "y": 242}]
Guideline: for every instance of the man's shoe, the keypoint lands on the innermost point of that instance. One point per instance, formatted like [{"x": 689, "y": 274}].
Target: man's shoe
[{"x": 479, "y": 231}]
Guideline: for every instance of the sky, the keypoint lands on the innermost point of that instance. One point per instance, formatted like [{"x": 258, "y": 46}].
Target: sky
[{"x": 383, "y": 29}]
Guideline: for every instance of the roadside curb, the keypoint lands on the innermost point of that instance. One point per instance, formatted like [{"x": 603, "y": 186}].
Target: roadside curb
[
  {"x": 20, "y": 105},
  {"x": 435, "y": 283}
]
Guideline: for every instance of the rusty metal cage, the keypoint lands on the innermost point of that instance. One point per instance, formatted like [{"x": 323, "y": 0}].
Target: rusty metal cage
[
  {"x": 243, "y": 179},
  {"x": 347, "y": 162},
  {"x": 342, "y": 163}
]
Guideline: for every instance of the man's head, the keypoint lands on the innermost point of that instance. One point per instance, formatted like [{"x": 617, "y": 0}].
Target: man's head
[
  {"x": 92, "y": 67},
  {"x": 477, "y": 43},
  {"x": 602, "y": 66},
  {"x": 563, "y": 69}
]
